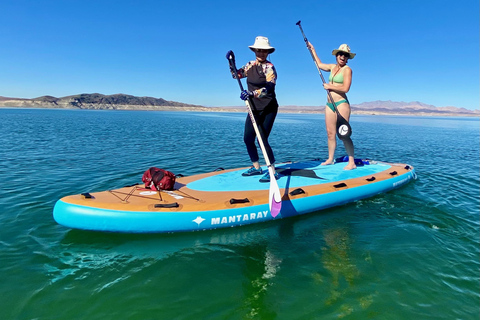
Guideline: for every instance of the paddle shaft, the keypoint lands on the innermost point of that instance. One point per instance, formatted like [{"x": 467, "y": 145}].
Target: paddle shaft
[{"x": 318, "y": 68}]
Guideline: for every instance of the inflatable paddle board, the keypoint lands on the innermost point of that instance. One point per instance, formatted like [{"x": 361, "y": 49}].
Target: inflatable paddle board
[{"x": 225, "y": 198}]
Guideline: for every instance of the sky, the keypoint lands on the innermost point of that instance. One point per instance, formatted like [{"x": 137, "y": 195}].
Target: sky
[{"x": 407, "y": 50}]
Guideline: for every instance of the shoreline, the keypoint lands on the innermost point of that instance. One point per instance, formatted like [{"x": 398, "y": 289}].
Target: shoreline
[
  {"x": 286, "y": 109},
  {"x": 120, "y": 101}
]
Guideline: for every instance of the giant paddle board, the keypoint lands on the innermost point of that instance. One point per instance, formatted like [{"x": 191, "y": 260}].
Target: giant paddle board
[{"x": 225, "y": 198}]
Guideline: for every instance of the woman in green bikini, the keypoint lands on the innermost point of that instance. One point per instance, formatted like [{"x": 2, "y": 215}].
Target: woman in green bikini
[{"x": 339, "y": 84}]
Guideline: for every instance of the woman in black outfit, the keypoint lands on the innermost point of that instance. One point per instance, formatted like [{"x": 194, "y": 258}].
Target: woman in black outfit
[{"x": 261, "y": 79}]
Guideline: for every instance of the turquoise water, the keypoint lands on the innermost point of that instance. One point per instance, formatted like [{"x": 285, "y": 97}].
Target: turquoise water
[{"x": 409, "y": 254}]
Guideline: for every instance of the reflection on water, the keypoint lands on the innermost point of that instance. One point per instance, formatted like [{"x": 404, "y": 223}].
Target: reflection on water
[
  {"x": 260, "y": 266},
  {"x": 343, "y": 273}
]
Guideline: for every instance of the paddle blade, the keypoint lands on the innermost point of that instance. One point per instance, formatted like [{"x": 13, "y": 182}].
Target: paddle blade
[
  {"x": 274, "y": 195},
  {"x": 344, "y": 131}
]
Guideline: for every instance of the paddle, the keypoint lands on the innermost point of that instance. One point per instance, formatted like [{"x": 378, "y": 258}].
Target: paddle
[
  {"x": 344, "y": 131},
  {"x": 275, "y": 198}
]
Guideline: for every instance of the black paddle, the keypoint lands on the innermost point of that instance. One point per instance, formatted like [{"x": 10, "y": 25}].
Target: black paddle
[
  {"x": 275, "y": 198},
  {"x": 344, "y": 131}
]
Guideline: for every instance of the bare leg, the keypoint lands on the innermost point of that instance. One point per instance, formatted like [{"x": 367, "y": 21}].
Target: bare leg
[{"x": 351, "y": 160}]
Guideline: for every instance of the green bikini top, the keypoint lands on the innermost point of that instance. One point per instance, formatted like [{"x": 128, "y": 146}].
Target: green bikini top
[{"x": 338, "y": 78}]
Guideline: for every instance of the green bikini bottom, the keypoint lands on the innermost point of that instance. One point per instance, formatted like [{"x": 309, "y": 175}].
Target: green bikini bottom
[{"x": 330, "y": 105}]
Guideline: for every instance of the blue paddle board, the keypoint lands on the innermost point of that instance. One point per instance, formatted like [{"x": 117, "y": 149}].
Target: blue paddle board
[{"x": 225, "y": 198}]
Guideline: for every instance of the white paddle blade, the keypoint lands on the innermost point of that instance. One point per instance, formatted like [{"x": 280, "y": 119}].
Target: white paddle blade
[{"x": 274, "y": 195}]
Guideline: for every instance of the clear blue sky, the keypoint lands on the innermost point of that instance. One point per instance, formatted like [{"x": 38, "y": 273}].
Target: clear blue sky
[{"x": 407, "y": 50}]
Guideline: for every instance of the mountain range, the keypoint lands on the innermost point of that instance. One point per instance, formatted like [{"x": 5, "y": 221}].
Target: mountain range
[
  {"x": 128, "y": 102},
  {"x": 96, "y": 101}
]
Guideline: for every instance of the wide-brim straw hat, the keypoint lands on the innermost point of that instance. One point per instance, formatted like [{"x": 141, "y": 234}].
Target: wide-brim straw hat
[
  {"x": 262, "y": 43},
  {"x": 344, "y": 48}
]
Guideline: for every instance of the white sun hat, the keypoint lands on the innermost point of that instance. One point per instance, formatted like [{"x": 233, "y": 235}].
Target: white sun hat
[
  {"x": 344, "y": 48},
  {"x": 262, "y": 43}
]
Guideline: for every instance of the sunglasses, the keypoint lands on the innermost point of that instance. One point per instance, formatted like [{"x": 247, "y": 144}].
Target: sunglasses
[
  {"x": 262, "y": 50},
  {"x": 343, "y": 54}
]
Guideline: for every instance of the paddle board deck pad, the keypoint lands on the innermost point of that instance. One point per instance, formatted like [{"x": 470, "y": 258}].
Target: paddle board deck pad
[{"x": 225, "y": 198}]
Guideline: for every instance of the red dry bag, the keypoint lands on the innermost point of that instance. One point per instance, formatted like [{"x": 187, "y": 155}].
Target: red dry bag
[{"x": 158, "y": 179}]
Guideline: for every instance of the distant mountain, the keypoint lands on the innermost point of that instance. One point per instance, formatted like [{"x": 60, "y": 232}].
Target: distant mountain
[
  {"x": 97, "y": 101},
  {"x": 414, "y": 107},
  {"x": 128, "y": 102},
  {"x": 8, "y": 99},
  {"x": 394, "y": 105},
  {"x": 390, "y": 107}
]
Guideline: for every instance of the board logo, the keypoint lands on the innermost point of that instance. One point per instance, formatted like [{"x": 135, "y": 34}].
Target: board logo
[
  {"x": 343, "y": 130},
  {"x": 239, "y": 218},
  {"x": 198, "y": 220}
]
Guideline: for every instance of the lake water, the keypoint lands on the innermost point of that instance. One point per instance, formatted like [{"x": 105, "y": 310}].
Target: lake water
[{"x": 412, "y": 253}]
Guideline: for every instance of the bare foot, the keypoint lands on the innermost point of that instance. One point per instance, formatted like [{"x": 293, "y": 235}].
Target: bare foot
[
  {"x": 350, "y": 166},
  {"x": 327, "y": 162}
]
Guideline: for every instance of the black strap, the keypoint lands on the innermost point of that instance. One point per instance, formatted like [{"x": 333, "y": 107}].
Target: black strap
[
  {"x": 340, "y": 185},
  {"x": 167, "y": 205},
  {"x": 87, "y": 195},
  {"x": 371, "y": 179},
  {"x": 297, "y": 192},
  {"x": 393, "y": 173},
  {"x": 234, "y": 201}
]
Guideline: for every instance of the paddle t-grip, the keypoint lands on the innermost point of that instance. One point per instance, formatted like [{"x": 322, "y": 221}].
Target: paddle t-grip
[
  {"x": 231, "y": 56},
  {"x": 301, "y": 29}
]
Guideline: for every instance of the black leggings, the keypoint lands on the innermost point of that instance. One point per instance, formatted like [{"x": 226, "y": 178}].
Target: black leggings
[{"x": 264, "y": 120}]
